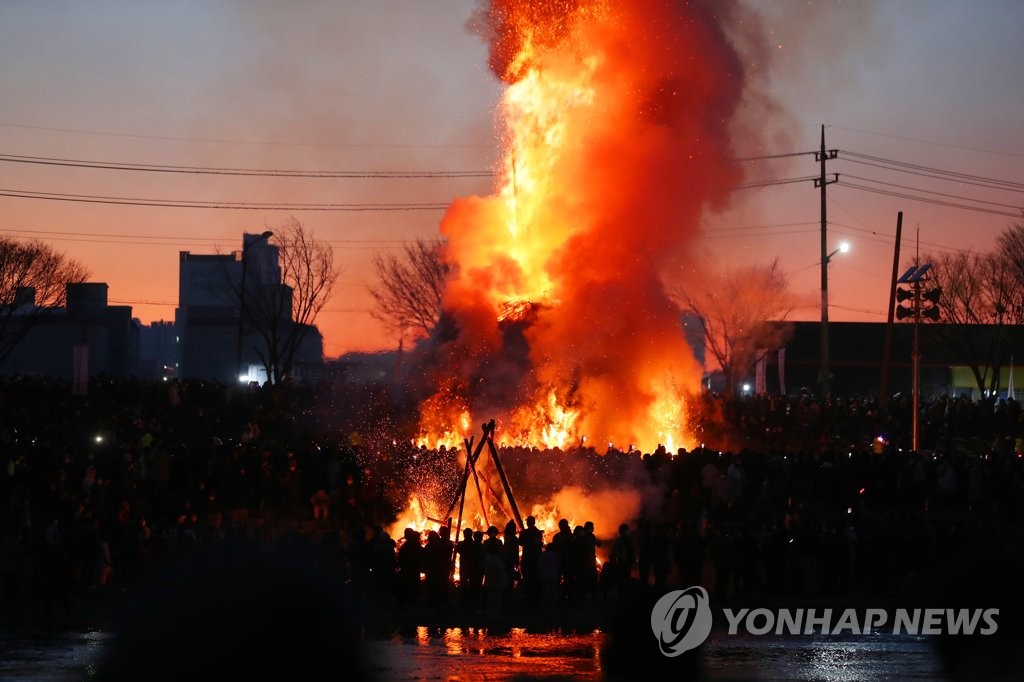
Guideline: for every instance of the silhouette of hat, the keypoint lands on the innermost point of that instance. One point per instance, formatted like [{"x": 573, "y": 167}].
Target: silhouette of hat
[{"x": 492, "y": 531}]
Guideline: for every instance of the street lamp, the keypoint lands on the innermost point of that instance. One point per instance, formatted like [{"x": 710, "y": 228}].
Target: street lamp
[
  {"x": 844, "y": 247},
  {"x": 241, "y": 299}
]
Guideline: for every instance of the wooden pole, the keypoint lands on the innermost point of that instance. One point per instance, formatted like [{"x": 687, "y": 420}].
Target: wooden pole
[
  {"x": 883, "y": 391},
  {"x": 504, "y": 478},
  {"x": 470, "y": 462},
  {"x": 462, "y": 505},
  {"x": 480, "y": 496}
]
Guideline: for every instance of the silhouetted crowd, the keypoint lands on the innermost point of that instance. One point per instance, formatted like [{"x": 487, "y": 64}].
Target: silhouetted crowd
[{"x": 100, "y": 492}]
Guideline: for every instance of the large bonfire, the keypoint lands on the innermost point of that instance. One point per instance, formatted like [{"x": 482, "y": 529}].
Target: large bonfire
[{"x": 616, "y": 127}]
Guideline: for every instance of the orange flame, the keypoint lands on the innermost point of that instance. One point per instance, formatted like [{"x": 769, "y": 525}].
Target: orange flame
[
  {"x": 605, "y": 508},
  {"x": 616, "y": 126}
]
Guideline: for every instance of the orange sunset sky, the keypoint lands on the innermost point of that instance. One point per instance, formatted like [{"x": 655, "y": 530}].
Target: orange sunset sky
[{"x": 390, "y": 86}]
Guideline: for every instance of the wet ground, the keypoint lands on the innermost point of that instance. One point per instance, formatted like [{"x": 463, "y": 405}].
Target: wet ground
[{"x": 478, "y": 653}]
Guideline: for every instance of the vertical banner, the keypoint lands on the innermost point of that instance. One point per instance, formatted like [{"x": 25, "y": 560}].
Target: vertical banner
[
  {"x": 762, "y": 362},
  {"x": 80, "y": 370},
  {"x": 782, "y": 371}
]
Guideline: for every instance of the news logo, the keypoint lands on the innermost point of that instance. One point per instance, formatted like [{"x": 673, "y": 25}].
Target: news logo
[{"x": 681, "y": 620}]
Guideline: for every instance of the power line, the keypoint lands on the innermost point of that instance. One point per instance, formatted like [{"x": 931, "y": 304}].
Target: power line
[
  {"x": 223, "y": 205},
  {"x": 928, "y": 191},
  {"x": 887, "y": 239},
  {"x": 205, "y": 240},
  {"x": 280, "y": 172},
  {"x": 79, "y": 131},
  {"x": 253, "y": 206},
  {"x": 116, "y": 238},
  {"x": 957, "y": 175},
  {"x": 759, "y": 227},
  {"x": 934, "y": 176},
  {"x": 1002, "y": 152},
  {"x": 85, "y": 240},
  {"x": 126, "y": 302},
  {"x": 902, "y": 195},
  {"x": 760, "y": 233},
  {"x": 856, "y": 310},
  {"x": 802, "y": 268},
  {"x": 771, "y": 183},
  {"x": 767, "y": 157},
  {"x": 174, "y": 304},
  {"x": 243, "y": 172}
]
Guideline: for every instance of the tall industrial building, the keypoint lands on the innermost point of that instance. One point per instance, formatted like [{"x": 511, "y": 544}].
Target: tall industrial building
[{"x": 207, "y": 317}]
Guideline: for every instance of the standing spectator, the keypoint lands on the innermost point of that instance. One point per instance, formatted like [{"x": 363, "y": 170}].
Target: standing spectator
[
  {"x": 547, "y": 573},
  {"x": 736, "y": 480},
  {"x": 510, "y": 554},
  {"x": 470, "y": 570},
  {"x": 624, "y": 557},
  {"x": 588, "y": 568},
  {"x": 437, "y": 556},
  {"x": 495, "y": 577},
  {"x": 382, "y": 561},
  {"x": 410, "y": 564},
  {"x": 532, "y": 542}
]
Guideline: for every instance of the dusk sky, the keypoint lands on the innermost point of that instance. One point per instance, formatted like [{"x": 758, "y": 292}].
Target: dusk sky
[{"x": 388, "y": 85}]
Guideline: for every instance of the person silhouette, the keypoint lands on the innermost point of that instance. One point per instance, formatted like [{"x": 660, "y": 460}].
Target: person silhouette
[{"x": 532, "y": 542}]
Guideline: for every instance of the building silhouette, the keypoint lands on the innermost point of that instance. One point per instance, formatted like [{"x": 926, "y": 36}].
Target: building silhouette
[
  {"x": 158, "y": 350},
  {"x": 855, "y": 363},
  {"x": 209, "y": 309},
  {"x": 85, "y": 338}
]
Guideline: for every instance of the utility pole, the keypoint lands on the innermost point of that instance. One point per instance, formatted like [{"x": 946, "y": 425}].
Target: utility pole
[
  {"x": 883, "y": 393},
  {"x": 822, "y": 156}
]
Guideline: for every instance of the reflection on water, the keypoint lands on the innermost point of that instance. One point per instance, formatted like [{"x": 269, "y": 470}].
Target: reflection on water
[
  {"x": 476, "y": 653},
  {"x": 836, "y": 659},
  {"x": 45, "y": 655}
]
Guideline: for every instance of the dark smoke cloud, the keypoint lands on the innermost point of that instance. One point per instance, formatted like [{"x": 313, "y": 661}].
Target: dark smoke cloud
[{"x": 500, "y": 24}]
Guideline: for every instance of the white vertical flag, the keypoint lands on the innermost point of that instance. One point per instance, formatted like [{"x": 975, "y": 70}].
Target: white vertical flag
[
  {"x": 80, "y": 370},
  {"x": 1009, "y": 383}
]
